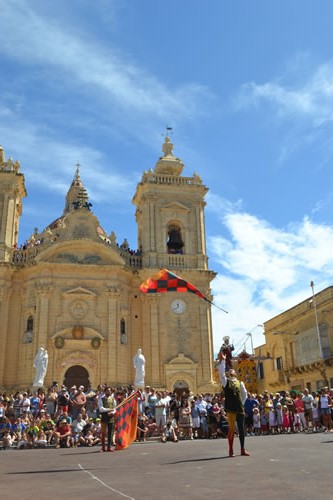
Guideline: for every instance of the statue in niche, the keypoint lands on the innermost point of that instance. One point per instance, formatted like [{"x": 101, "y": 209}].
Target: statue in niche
[
  {"x": 139, "y": 362},
  {"x": 40, "y": 363}
]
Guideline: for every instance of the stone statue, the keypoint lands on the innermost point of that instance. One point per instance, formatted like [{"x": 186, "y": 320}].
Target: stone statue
[
  {"x": 139, "y": 362},
  {"x": 40, "y": 363}
]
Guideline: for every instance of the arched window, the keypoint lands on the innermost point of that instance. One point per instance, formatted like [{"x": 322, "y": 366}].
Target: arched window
[
  {"x": 30, "y": 324},
  {"x": 123, "y": 338},
  {"x": 174, "y": 241},
  {"x": 29, "y": 332}
]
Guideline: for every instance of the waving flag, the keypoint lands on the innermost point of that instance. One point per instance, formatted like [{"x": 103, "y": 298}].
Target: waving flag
[
  {"x": 126, "y": 421},
  {"x": 166, "y": 281}
]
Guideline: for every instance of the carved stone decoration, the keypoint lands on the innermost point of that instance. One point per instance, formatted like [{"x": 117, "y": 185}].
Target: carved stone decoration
[
  {"x": 78, "y": 332},
  {"x": 96, "y": 343},
  {"x": 59, "y": 342},
  {"x": 78, "y": 309}
]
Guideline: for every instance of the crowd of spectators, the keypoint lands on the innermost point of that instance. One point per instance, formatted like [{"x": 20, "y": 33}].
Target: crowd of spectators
[{"x": 62, "y": 417}]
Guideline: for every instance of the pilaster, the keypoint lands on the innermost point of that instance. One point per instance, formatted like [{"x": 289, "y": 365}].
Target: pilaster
[{"x": 113, "y": 335}]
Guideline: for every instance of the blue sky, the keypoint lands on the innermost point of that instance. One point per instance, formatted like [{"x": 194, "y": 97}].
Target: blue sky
[{"x": 247, "y": 88}]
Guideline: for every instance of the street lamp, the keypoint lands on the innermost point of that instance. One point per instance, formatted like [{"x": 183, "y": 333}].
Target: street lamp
[
  {"x": 322, "y": 368},
  {"x": 249, "y": 334}
]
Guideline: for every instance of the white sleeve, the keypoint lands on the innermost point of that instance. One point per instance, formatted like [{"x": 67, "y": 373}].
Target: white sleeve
[
  {"x": 243, "y": 392},
  {"x": 101, "y": 407},
  {"x": 223, "y": 378}
]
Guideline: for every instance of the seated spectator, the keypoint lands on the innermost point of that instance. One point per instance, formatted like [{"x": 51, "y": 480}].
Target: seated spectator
[
  {"x": 63, "y": 434},
  {"x": 41, "y": 440},
  {"x": 77, "y": 428},
  {"x": 169, "y": 433},
  {"x": 142, "y": 427},
  {"x": 152, "y": 427},
  {"x": 22, "y": 443},
  {"x": 7, "y": 440},
  {"x": 48, "y": 426},
  {"x": 32, "y": 432}
]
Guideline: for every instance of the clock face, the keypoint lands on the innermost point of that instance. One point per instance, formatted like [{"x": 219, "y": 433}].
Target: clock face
[{"x": 178, "y": 306}]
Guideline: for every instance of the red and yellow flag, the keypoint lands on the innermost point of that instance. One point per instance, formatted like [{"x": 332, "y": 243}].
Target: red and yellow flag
[
  {"x": 166, "y": 281},
  {"x": 127, "y": 421}
]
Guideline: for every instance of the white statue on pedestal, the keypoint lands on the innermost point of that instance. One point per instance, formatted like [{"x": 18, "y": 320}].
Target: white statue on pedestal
[
  {"x": 40, "y": 363},
  {"x": 139, "y": 362}
]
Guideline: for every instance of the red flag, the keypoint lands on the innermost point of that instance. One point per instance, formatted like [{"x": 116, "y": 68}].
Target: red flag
[
  {"x": 126, "y": 421},
  {"x": 166, "y": 281}
]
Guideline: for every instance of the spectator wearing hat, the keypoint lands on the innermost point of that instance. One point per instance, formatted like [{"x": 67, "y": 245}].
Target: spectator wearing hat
[
  {"x": 63, "y": 401},
  {"x": 63, "y": 434}
]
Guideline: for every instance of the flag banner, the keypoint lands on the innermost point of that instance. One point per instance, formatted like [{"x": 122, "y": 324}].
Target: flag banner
[
  {"x": 126, "y": 421},
  {"x": 166, "y": 281}
]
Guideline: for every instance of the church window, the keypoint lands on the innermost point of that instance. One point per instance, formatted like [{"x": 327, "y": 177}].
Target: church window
[
  {"x": 174, "y": 240},
  {"x": 123, "y": 338},
  {"x": 28, "y": 336}
]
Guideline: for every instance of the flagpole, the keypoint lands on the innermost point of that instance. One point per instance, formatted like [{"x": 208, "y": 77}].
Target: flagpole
[{"x": 219, "y": 307}]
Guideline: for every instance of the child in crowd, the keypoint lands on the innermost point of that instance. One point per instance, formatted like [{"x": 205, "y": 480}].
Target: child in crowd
[
  {"x": 256, "y": 422},
  {"x": 316, "y": 417},
  {"x": 264, "y": 423},
  {"x": 272, "y": 421},
  {"x": 285, "y": 420},
  {"x": 297, "y": 421},
  {"x": 279, "y": 417}
]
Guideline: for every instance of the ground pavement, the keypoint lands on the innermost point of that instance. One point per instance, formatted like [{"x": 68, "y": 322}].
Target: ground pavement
[{"x": 296, "y": 466}]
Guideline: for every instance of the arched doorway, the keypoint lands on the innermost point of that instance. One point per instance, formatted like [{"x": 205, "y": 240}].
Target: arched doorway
[
  {"x": 76, "y": 375},
  {"x": 181, "y": 388}
]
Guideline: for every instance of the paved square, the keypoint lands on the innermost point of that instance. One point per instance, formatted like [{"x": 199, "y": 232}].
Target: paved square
[{"x": 297, "y": 466}]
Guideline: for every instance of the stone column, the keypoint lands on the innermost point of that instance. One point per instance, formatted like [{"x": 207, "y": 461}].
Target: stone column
[
  {"x": 206, "y": 343},
  {"x": 5, "y": 295},
  {"x": 40, "y": 338},
  {"x": 113, "y": 334},
  {"x": 154, "y": 341}
]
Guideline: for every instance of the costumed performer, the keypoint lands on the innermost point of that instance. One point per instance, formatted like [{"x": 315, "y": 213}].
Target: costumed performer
[{"x": 235, "y": 395}]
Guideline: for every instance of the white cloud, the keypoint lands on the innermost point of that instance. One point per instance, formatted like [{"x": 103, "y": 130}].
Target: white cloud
[
  {"x": 42, "y": 41},
  {"x": 49, "y": 163},
  {"x": 265, "y": 270},
  {"x": 312, "y": 99}
]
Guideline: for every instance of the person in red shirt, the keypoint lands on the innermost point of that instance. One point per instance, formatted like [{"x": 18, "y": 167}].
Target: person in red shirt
[
  {"x": 299, "y": 405},
  {"x": 63, "y": 434}
]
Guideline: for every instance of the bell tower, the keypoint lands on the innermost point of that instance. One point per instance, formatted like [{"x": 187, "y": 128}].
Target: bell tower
[
  {"x": 177, "y": 327},
  {"x": 170, "y": 215},
  {"x": 12, "y": 190}
]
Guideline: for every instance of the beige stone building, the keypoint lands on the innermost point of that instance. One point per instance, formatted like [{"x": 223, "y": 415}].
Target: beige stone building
[
  {"x": 75, "y": 291},
  {"x": 298, "y": 352}
]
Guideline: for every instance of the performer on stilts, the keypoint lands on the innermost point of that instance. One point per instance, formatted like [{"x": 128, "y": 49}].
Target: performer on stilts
[
  {"x": 235, "y": 395},
  {"x": 107, "y": 410}
]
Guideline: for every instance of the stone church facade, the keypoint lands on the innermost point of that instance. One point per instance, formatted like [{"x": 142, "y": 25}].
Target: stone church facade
[{"x": 74, "y": 290}]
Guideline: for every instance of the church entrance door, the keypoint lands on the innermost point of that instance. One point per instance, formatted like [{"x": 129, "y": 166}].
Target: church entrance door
[
  {"x": 76, "y": 375},
  {"x": 181, "y": 388}
]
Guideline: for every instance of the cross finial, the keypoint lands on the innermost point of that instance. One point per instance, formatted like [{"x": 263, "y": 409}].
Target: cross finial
[{"x": 77, "y": 173}]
